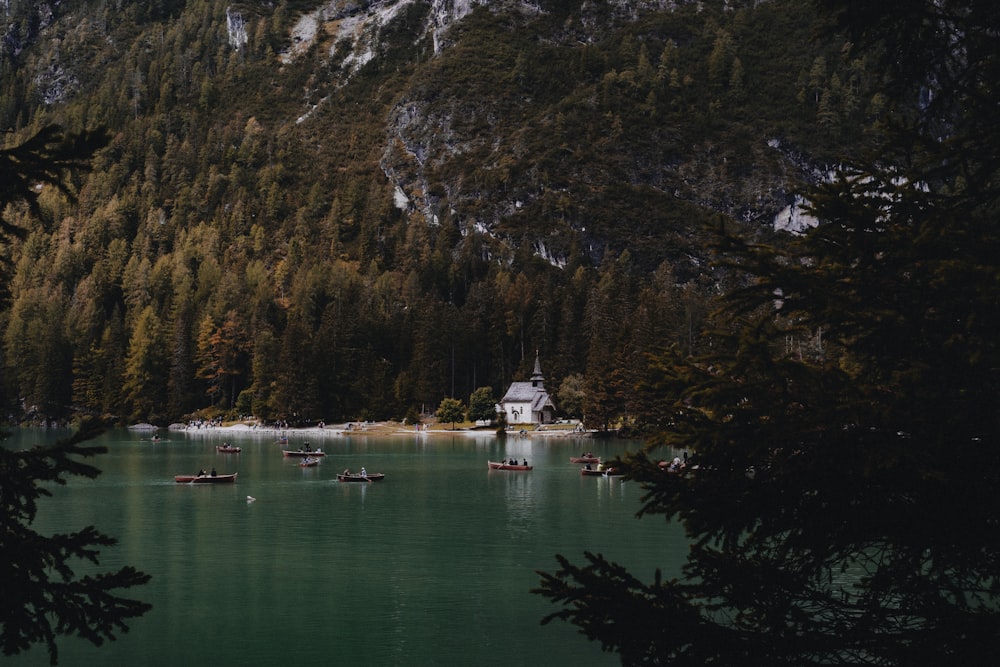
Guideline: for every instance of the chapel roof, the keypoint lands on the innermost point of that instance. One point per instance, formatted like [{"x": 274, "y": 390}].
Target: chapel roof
[{"x": 521, "y": 392}]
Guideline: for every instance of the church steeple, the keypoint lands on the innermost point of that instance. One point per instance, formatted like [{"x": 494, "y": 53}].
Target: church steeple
[{"x": 537, "y": 379}]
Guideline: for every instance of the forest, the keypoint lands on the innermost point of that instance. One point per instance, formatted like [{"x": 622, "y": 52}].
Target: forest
[{"x": 306, "y": 238}]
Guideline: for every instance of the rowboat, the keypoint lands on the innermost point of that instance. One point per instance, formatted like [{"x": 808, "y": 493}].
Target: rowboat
[
  {"x": 205, "y": 479},
  {"x": 300, "y": 452},
  {"x": 309, "y": 462},
  {"x": 595, "y": 472},
  {"x": 500, "y": 465},
  {"x": 358, "y": 477},
  {"x": 585, "y": 459},
  {"x": 228, "y": 449}
]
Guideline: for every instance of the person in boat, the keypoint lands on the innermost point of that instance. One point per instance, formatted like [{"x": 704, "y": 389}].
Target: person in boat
[
  {"x": 347, "y": 472},
  {"x": 201, "y": 472},
  {"x": 306, "y": 447},
  {"x": 587, "y": 467},
  {"x": 364, "y": 473},
  {"x": 213, "y": 472},
  {"x": 525, "y": 464},
  {"x": 600, "y": 466}
]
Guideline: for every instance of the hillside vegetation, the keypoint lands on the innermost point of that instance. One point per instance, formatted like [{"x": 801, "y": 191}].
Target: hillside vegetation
[{"x": 310, "y": 234}]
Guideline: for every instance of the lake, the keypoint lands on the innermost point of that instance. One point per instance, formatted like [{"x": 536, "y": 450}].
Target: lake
[{"x": 432, "y": 566}]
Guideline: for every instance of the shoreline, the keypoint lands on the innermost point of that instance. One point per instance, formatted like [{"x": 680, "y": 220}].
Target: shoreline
[{"x": 350, "y": 429}]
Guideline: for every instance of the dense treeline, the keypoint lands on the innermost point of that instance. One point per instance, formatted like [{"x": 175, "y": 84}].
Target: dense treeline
[{"x": 237, "y": 246}]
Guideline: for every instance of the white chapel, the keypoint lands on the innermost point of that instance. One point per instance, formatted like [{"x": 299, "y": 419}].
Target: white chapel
[{"x": 528, "y": 402}]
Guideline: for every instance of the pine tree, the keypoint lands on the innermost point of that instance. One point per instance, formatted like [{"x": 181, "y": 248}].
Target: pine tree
[
  {"x": 841, "y": 503},
  {"x": 43, "y": 597}
]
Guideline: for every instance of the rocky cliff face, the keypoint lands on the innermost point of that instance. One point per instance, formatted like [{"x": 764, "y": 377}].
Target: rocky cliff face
[
  {"x": 428, "y": 135},
  {"x": 552, "y": 124}
]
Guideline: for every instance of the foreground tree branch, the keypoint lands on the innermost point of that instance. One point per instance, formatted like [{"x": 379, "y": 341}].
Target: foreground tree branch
[{"x": 44, "y": 598}]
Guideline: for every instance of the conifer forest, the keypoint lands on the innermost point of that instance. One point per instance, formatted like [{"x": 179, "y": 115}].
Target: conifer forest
[{"x": 357, "y": 222}]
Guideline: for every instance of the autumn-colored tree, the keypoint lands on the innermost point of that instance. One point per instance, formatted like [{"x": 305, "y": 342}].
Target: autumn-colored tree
[
  {"x": 145, "y": 367},
  {"x": 223, "y": 353}
]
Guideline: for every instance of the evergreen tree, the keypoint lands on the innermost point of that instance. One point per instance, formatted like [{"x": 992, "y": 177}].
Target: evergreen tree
[
  {"x": 45, "y": 158},
  {"x": 841, "y": 503},
  {"x": 43, "y": 597}
]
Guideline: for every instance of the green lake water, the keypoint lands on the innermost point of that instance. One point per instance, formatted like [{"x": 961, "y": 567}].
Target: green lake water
[{"x": 431, "y": 566}]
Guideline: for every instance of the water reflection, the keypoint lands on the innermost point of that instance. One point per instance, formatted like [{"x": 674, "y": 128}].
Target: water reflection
[
  {"x": 520, "y": 499},
  {"x": 606, "y": 487}
]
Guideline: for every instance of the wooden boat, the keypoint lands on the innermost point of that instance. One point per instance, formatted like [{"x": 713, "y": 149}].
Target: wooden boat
[
  {"x": 594, "y": 472},
  {"x": 309, "y": 462},
  {"x": 585, "y": 459},
  {"x": 205, "y": 479},
  {"x": 300, "y": 452},
  {"x": 358, "y": 477},
  {"x": 500, "y": 465},
  {"x": 228, "y": 449}
]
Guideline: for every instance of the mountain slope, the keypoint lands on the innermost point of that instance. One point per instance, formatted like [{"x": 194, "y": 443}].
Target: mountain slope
[{"x": 343, "y": 209}]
